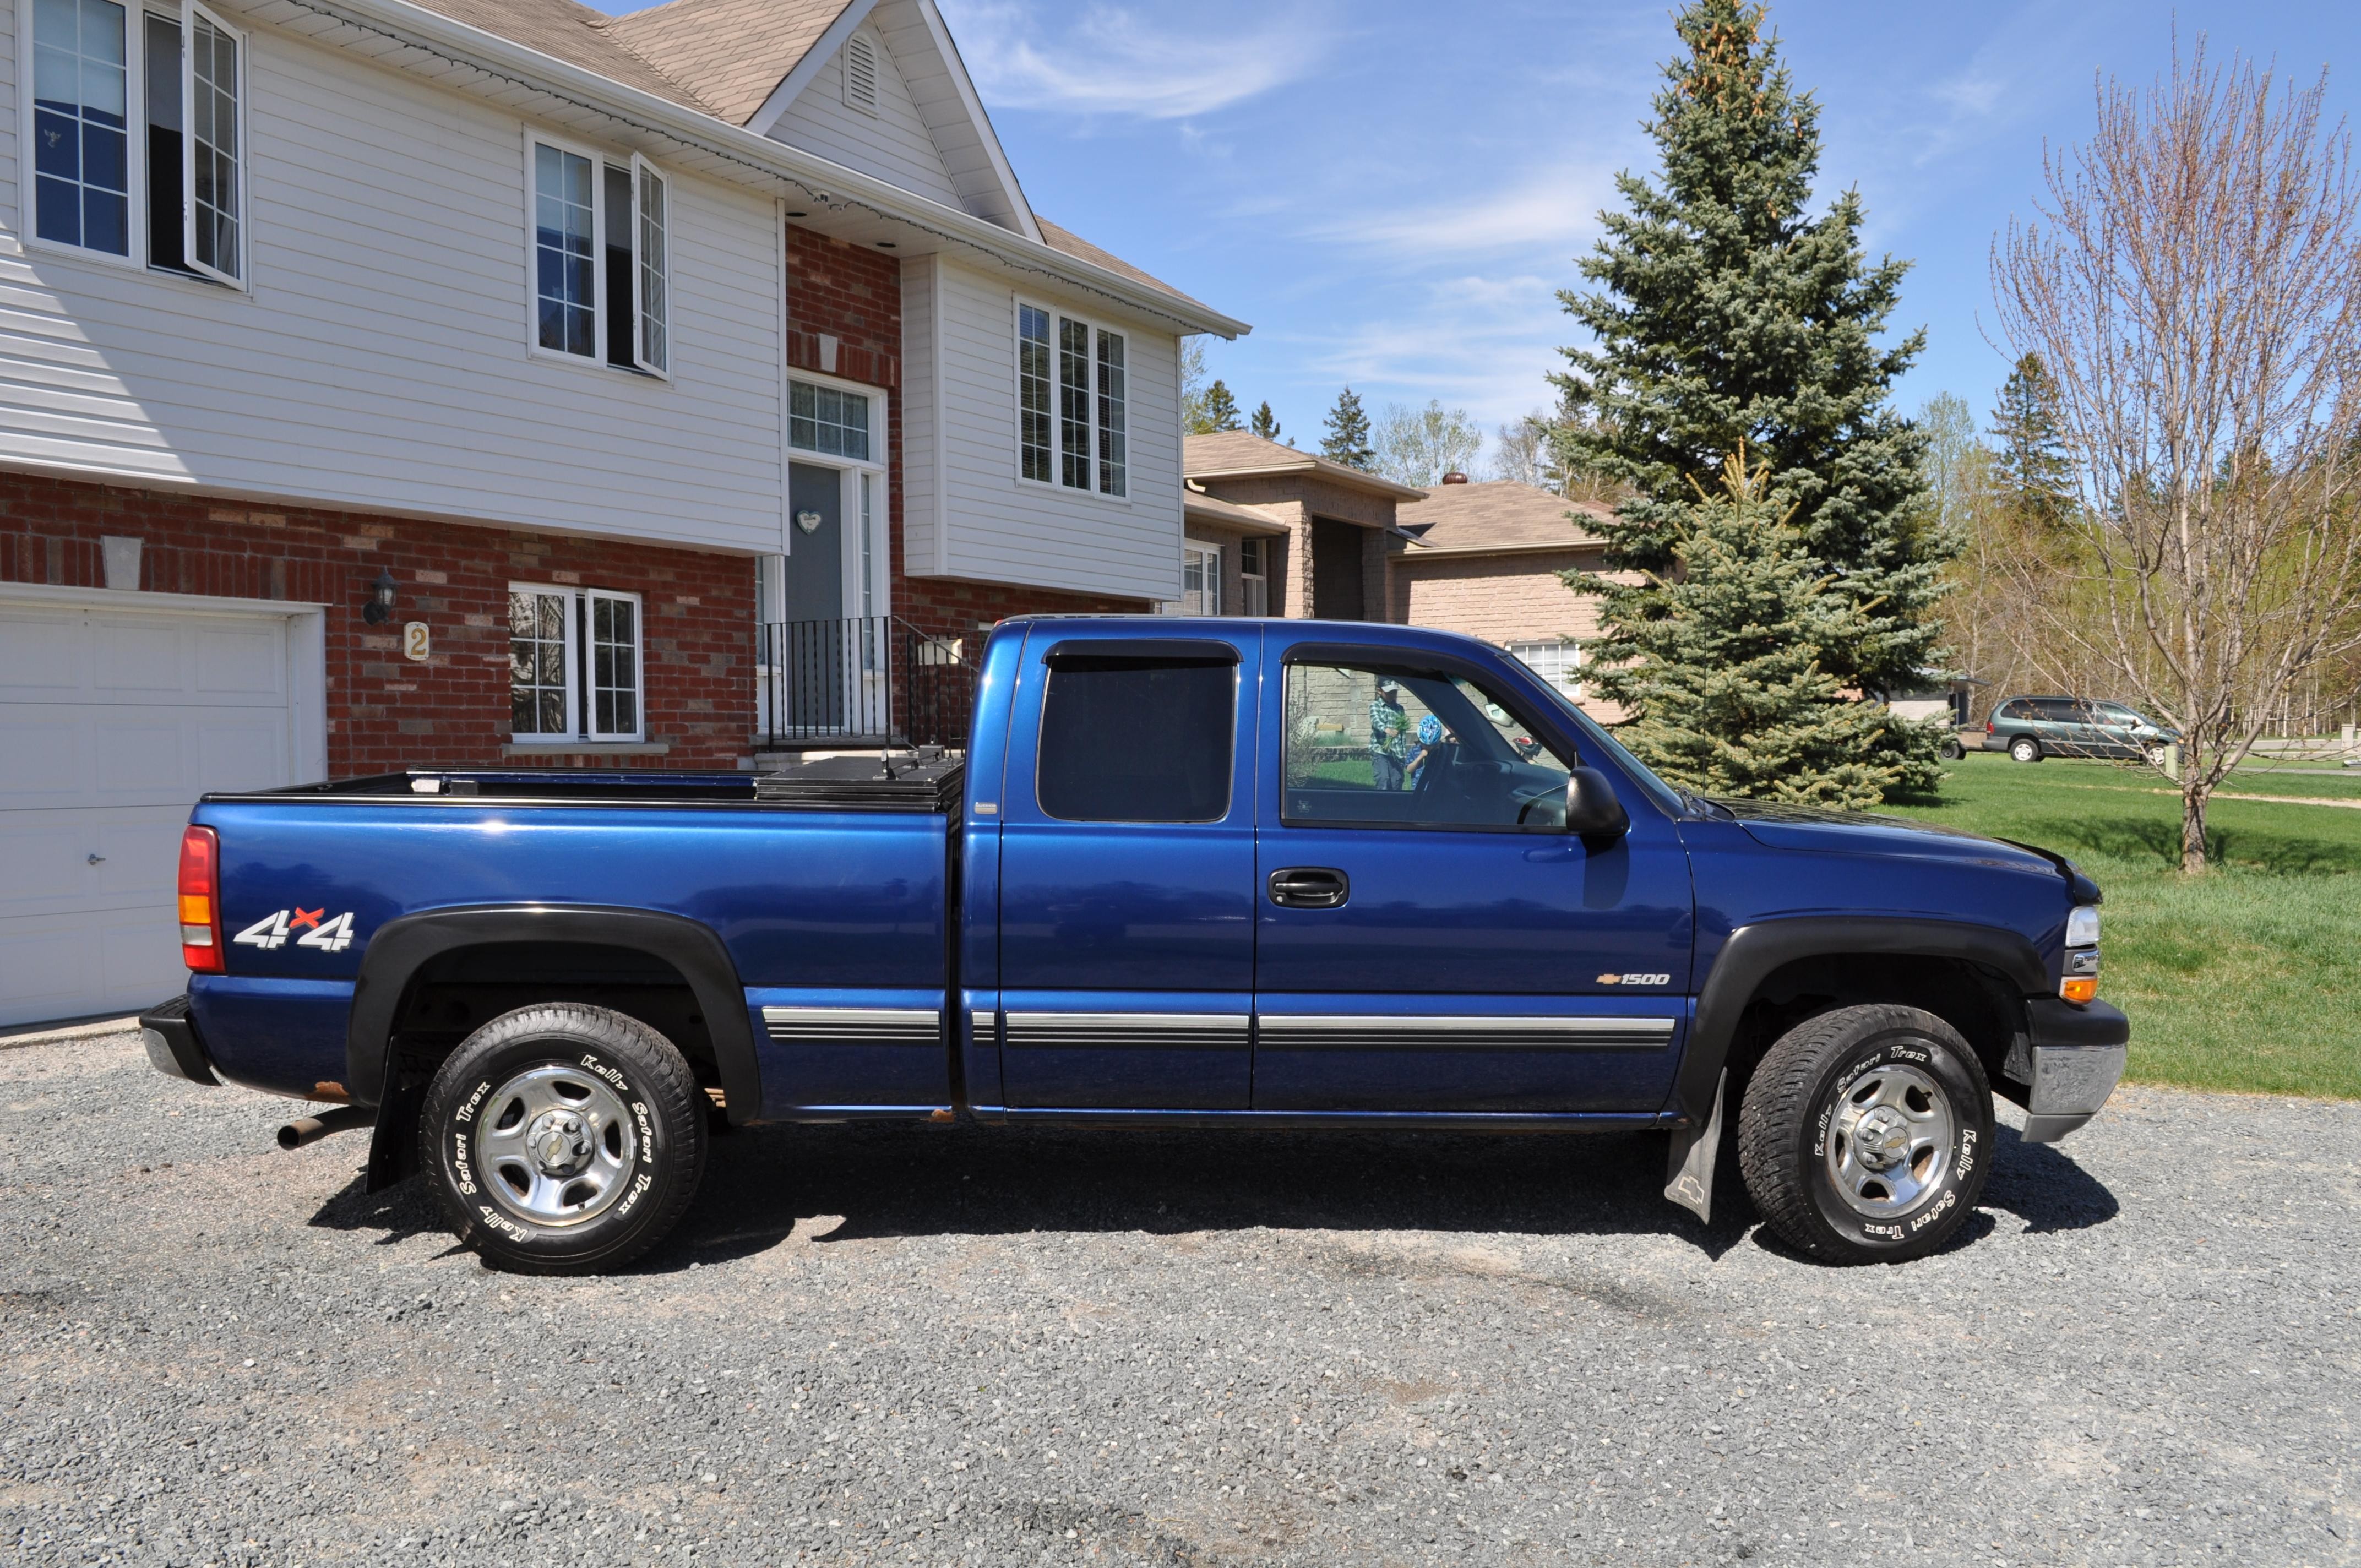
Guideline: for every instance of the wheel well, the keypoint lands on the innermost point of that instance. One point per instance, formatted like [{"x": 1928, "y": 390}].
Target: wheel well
[
  {"x": 1978, "y": 1002},
  {"x": 455, "y": 993}
]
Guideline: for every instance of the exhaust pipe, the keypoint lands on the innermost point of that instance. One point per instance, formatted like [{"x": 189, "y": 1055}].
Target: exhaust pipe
[{"x": 311, "y": 1129}]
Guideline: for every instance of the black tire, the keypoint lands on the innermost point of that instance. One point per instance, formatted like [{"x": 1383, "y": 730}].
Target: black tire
[
  {"x": 1953, "y": 751},
  {"x": 2025, "y": 749},
  {"x": 611, "y": 1104},
  {"x": 1869, "y": 1067}
]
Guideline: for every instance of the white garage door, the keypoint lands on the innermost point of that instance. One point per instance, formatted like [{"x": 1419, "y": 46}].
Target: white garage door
[{"x": 113, "y": 720}]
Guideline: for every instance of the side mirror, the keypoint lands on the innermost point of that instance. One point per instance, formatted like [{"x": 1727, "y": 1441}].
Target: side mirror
[{"x": 1592, "y": 809}]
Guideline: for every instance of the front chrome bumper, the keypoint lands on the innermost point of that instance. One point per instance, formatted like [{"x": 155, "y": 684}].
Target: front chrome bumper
[{"x": 2075, "y": 1056}]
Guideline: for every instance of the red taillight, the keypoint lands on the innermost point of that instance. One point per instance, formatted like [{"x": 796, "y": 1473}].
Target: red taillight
[
  {"x": 1988, "y": 729},
  {"x": 201, "y": 927}
]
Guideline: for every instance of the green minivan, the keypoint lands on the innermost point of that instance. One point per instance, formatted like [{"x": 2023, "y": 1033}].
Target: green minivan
[{"x": 2031, "y": 727}]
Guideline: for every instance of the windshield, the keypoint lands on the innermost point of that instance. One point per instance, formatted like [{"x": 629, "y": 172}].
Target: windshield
[{"x": 1593, "y": 733}]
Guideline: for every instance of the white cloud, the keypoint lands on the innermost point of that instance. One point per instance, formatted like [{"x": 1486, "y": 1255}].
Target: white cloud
[
  {"x": 1554, "y": 208},
  {"x": 1484, "y": 343},
  {"x": 1114, "y": 61}
]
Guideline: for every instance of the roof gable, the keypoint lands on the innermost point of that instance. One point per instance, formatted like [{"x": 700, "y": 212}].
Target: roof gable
[{"x": 942, "y": 94}]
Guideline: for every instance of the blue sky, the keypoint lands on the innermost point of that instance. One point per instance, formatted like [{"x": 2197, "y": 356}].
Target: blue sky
[{"x": 1391, "y": 190}]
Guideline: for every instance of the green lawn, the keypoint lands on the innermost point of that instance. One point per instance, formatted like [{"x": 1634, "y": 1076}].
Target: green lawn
[{"x": 2248, "y": 977}]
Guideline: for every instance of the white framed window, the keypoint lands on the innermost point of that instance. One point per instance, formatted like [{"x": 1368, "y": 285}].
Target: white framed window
[
  {"x": 576, "y": 664},
  {"x": 138, "y": 143},
  {"x": 1073, "y": 402},
  {"x": 1254, "y": 576},
  {"x": 1200, "y": 579},
  {"x": 82, "y": 124},
  {"x": 1557, "y": 661},
  {"x": 599, "y": 232},
  {"x": 213, "y": 147},
  {"x": 828, "y": 420}
]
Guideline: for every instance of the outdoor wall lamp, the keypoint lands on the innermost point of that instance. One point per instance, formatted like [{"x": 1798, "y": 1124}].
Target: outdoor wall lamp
[{"x": 380, "y": 599}]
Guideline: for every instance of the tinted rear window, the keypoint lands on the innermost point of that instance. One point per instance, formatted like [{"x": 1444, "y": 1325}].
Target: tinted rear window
[{"x": 1134, "y": 740}]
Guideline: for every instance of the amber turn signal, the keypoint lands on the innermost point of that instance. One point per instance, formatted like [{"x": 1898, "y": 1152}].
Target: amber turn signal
[
  {"x": 2079, "y": 988},
  {"x": 201, "y": 930}
]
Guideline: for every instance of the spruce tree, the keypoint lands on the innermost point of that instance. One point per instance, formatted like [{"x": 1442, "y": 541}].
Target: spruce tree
[
  {"x": 1221, "y": 409},
  {"x": 1725, "y": 313},
  {"x": 1265, "y": 424},
  {"x": 1723, "y": 658},
  {"x": 2031, "y": 468},
  {"x": 1346, "y": 439}
]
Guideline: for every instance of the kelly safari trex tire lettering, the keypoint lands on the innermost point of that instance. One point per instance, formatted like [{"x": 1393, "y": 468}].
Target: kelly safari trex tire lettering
[
  {"x": 1866, "y": 1134},
  {"x": 563, "y": 1138}
]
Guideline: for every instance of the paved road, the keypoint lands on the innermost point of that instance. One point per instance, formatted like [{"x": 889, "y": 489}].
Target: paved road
[{"x": 905, "y": 1345}]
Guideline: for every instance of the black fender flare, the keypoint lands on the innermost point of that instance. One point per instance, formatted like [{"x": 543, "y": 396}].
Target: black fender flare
[
  {"x": 401, "y": 947},
  {"x": 1754, "y": 951}
]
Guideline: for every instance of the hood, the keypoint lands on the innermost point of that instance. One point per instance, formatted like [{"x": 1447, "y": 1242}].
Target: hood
[{"x": 1780, "y": 826}]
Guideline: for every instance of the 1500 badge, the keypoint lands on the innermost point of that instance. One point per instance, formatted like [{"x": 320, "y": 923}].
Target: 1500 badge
[{"x": 270, "y": 932}]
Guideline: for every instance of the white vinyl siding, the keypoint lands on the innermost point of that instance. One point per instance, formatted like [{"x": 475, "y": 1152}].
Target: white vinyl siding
[
  {"x": 890, "y": 141},
  {"x": 968, "y": 510},
  {"x": 383, "y": 362}
]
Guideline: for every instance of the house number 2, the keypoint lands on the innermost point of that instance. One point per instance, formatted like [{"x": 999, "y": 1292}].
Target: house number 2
[{"x": 415, "y": 641}]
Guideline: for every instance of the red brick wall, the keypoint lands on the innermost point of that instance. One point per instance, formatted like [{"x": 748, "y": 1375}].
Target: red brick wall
[
  {"x": 854, "y": 295},
  {"x": 384, "y": 711}
]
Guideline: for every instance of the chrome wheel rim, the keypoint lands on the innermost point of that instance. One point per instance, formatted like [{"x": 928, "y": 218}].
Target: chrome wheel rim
[
  {"x": 1889, "y": 1142},
  {"x": 554, "y": 1145}
]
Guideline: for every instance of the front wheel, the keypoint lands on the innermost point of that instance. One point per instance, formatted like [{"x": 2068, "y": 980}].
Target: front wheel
[
  {"x": 2025, "y": 749},
  {"x": 564, "y": 1138},
  {"x": 1866, "y": 1134}
]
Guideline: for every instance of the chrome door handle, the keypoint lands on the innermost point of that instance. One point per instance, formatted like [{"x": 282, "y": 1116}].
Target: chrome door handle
[{"x": 1309, "y": 887}]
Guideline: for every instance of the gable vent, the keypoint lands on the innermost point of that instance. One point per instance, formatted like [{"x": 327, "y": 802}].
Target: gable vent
[{"x": 860, "y": 74}]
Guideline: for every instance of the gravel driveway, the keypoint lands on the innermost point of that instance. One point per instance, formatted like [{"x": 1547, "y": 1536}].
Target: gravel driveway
[{"x": 908, "y": 1346}]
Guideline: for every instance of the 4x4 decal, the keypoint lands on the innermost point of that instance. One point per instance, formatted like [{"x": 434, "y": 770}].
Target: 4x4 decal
[{"x": 270, "y": 932}]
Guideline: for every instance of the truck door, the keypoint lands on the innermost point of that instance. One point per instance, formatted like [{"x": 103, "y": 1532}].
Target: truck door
[
  {"x": 1126, "y": 874},
  {"x": 1428, "y": 940}
]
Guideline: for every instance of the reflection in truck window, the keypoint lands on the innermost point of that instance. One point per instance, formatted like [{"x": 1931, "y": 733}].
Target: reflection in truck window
[
  {"x": 1130, "y": 739},
  {"x": 1414, "y": 749}
]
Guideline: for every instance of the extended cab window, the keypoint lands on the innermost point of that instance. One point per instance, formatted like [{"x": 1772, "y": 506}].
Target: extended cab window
[
  {"x": 1378, "y": 746},
  {"x": 1138, "y": 738}
]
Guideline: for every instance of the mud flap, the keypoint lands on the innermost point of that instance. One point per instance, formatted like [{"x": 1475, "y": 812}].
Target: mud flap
[{"x": 1688, "y": 1173}]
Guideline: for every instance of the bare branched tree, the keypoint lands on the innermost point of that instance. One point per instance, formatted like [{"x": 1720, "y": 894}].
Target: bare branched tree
[{"x": 2192, "y": 281}]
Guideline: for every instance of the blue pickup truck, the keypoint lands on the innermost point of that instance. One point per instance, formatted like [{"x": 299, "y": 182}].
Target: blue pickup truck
[{"x": 1217, "y": 873}]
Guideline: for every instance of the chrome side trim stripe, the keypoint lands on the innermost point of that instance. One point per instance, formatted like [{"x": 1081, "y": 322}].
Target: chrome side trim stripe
[
  {"x": 854, "y": 1026},
  {"x": 1127, "y": 1031},
  {"x": 1397, "y": 1032}
]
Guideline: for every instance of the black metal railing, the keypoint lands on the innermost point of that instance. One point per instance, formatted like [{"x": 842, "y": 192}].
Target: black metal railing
[{"x": 873, "y": 680}]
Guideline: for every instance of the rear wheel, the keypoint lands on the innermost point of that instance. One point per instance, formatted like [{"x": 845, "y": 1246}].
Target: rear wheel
[
  {"x": 563, "y": 1138},
  {"x": 1866, "y": 1134},
  {"x": 2025, "y": 749},
  {"x": 1953, "y": 751}
]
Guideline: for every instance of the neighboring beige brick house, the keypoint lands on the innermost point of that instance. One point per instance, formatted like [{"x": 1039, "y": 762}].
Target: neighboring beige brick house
[
  {"x": 1485, "y": 559},
  {"x": 1286, "y": 532}
]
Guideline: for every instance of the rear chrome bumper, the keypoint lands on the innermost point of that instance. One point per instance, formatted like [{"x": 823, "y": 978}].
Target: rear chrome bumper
[
  {"x": 2077, "y": 1057},
  {"x": 174, "y": 1047}
]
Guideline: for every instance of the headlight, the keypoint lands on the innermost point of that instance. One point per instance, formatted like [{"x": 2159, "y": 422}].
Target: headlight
[{"x": 2082, "y": 927}]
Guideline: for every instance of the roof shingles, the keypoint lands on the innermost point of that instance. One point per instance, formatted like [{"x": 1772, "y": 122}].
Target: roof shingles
[{"x": 1498, "y": 514}]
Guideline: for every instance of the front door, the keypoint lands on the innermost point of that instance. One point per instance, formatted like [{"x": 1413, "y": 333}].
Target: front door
[
  {"x": 1126, "y": 874},
  {"x": 1428, "y": 941},
  {"x": 815, "y": 656}
]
